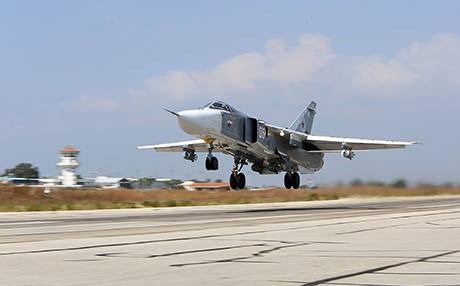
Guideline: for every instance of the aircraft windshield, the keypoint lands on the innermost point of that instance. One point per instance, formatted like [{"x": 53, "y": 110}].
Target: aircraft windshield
[{"x": 219, "y": 105}]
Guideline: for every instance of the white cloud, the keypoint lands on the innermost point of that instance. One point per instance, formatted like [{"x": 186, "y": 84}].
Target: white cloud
[
  {"x": 438, "y": 59},
  {"x": 176, "y": 84},
  {"x": 377, "y": 75},
  {"x": 306, "y": 69},
  {"x": 278, "y": 64},
  {"x": 415, "y": 68},
  {"x": 298, "y": 64}
]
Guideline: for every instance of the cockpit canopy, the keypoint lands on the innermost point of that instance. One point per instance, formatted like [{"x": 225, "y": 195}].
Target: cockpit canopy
[{"x": 219, "y": 105}]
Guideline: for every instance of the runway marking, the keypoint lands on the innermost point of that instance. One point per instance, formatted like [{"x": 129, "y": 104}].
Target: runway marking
[
  {"x": 24, "y": 223},
  {"x": 289, "y": 249},
  {"x": 180, "y": 252},
  {"x": 210, "y": 236},
  {"x": 352, "y": 213},
  {"x": 378, "y": 269},
  {"x": 401, "y": 224},
  {"x": 416, "y": 273},
  {"x": 375, "y": 228},
  {"x": 82, "y": 260},
  {"x": 442, "y": 261},
  {"x": 244, "y": 258},
  {"x": 363, "y": 284}
]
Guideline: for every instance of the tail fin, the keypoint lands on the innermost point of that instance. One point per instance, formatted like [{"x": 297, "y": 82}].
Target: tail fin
[{"x": 304, "y": 122}]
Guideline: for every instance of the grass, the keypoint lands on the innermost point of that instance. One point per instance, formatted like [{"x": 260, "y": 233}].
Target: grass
[{"x": 33, "y": 199}]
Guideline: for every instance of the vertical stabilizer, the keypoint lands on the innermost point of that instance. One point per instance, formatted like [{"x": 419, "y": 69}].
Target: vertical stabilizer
[{"x": 304, "y": 122}]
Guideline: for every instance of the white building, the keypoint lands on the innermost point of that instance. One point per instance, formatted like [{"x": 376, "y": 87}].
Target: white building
[
  {"x": 205, "y": 186},
  {"x": 67, "y": 177},
  {"x": 113, "y": 183},
  {"x": 68, "y": 165}
]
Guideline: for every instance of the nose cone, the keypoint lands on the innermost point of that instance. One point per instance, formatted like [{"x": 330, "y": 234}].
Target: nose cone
[{"x": 200, "y": 121}]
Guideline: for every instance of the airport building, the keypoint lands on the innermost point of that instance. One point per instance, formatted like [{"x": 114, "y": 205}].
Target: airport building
[
  {"x": 68, "y": 178},
  {"x": 205, "y": 186},
  {"x": 68, "y": 165}
]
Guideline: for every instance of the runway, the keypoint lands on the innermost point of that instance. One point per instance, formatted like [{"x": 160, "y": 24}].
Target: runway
[{"x": 391, "y": 241}]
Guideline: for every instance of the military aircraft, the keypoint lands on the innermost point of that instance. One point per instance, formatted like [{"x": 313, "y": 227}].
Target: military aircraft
[{"x": 270, "y": 149}]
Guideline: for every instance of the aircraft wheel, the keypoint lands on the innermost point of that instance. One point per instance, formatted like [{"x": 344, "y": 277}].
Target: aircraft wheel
[
  {"x": 288, "y": 180},
  {"x": 214, "y": 163},
  {"x": 208, "y": 163},
  {"x": 295, "y": 179},
  {"x": 233, "y": 182},
  {"x": 241, "y": 179}
]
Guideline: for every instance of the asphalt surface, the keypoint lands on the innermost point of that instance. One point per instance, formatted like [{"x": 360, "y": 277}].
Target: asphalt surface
[{"x": 393, "y": 241}]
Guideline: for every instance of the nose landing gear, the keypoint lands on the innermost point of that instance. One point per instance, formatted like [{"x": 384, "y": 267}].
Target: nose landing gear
[
  {"x": 211, "y": 162},
  {"x": 292, "y": 180}
]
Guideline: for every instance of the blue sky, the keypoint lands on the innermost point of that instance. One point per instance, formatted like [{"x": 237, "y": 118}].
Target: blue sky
[{"x": 97, "y": 74}]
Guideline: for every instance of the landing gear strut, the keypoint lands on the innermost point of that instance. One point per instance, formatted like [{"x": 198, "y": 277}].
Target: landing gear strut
[
  {"x": 237, "y": 179},
  {"x": 292, "y": 180}
]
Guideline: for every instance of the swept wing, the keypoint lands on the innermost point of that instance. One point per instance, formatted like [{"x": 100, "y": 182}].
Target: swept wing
[
  {"x": 326, "y": 144},
  {"x": 198, "y": 145}
]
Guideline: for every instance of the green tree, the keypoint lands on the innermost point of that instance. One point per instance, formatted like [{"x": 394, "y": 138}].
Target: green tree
[
  {"x": 375, "y": 183},
  {"x": 23, "y": 170},
  {"x": 146, "y": 182},
  {"x": 356, "y": 183},
  {"x": 399, "y": 183},
  {"x": 173, "y": 183}
]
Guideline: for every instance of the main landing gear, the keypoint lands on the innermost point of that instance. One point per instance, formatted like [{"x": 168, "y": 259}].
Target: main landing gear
[
  {"x": 237, "y": 179},
  {"x": 292, "y": 180}
]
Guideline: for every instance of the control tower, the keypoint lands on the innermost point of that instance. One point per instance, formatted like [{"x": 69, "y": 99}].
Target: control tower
[{"x": 68, "y": 165}]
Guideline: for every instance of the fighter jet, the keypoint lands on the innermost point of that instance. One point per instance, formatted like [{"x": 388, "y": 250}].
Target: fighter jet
[{"x": 269, "y": 149}]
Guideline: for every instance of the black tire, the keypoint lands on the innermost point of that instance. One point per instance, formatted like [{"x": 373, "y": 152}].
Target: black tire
[
  {"x": 241, "y": 179},
  {"x": 295, "y": 179},
  {"x": 288, "y": 180},
  {"x": 207, "y": 164},
  {"x": 233, "y": 182},
  {"x": 214, "y": 164}
]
